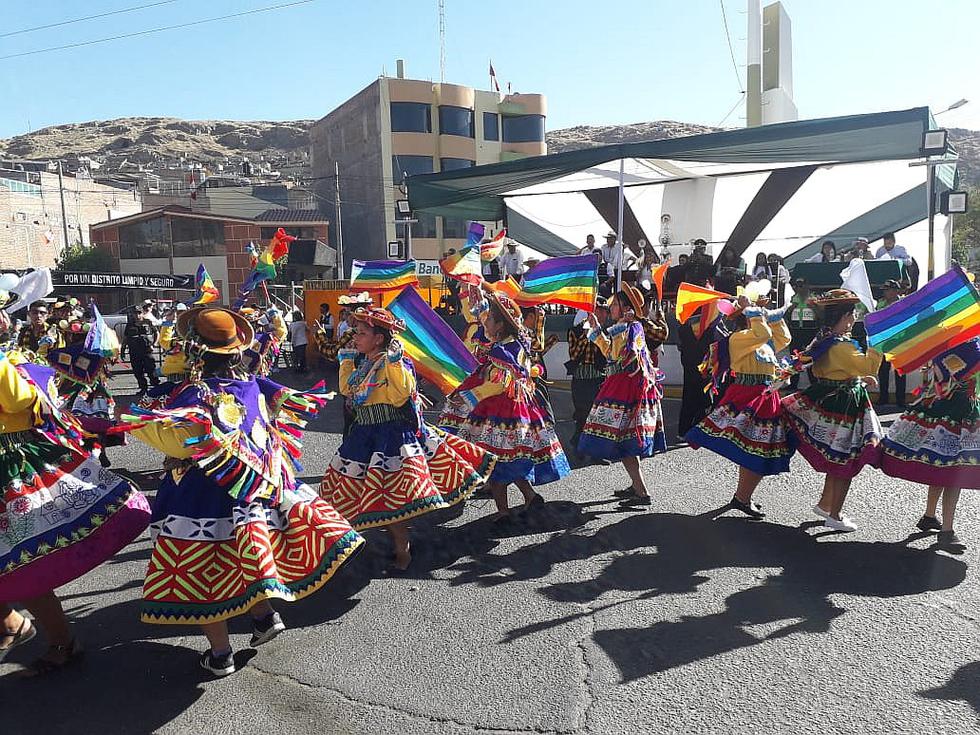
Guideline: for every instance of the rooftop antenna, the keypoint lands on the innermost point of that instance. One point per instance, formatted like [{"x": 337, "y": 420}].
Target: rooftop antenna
[{"x": 442, "y": 41}]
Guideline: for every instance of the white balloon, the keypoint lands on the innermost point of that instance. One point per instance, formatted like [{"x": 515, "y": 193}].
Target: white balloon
[{"x": 8, "y": 281}]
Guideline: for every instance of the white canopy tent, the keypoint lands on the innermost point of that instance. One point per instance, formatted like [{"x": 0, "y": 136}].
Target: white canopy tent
[{"x": 779, "y": 189}]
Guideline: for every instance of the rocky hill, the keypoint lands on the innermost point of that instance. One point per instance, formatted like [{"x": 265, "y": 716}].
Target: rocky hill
[{"x": 145, "y": 140}]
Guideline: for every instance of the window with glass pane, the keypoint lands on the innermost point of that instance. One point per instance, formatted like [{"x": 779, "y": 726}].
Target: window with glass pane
[
  {"x": 426, "y": 225},
  {"x": 411, "y": 117},
  {"x": 523, "y": 128},
  {"x": 451, "y": 164},
  {"x": 410, "y": 165},
  {"x": 146, "y": 239},
  {"x": 301, "y": 233},
  {"x": 491, "y": 126},
  {"x": 455, "y": 121},
  {"x": 456, "y": 228},
  {"x": 195, "y": 237}
]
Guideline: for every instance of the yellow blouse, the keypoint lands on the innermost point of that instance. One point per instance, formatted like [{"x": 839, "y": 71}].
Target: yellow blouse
[
  {"x": 18, "y": 398},
  {"x": 169, "y": 439},
  {"x": 174, "y": 362},
  {"x": 613, "y": 347},
  {"x": 845, "y": 361},
  {"x": 502, "y": 373},
  {"x": 753, "y": 350},
  {"x": 395, "y": 382}
]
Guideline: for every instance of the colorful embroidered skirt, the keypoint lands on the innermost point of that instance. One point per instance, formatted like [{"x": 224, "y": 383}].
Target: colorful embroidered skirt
[
  {"x": 214, "y": 558},
  {"x": 746, "y": 427},
  {"x": 390, "y": 471},
  {"x": 936, "y": 442},
  {"x": 61, "y": 515},
  {"x": 521, "y": 436},
  {"x": 837, "y": 429},
  {"x": 626, "y": 420}
]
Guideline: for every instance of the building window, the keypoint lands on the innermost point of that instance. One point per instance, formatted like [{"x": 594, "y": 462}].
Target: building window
[
  {"x": 524, "y": 129},
  {"x": 411, "y": 165},
  {"x": 146, "y": 239},
  {"x": 301, "y": 233},
  {"x": 491, "y": 126},
  {"x": 456, "y": 121},
  {"x": 425, "y": 227},
  {"x": 194, "y": 238},
  {"x": 411, "y": 117},
  {"x": 451, "y": 164},
  {"x": 455, "y": 228}
]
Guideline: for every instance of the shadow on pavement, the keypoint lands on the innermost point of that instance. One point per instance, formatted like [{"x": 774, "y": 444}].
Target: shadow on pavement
[
  {"x": 686, "y": 549},
  {"x": 963, "y": 685}
]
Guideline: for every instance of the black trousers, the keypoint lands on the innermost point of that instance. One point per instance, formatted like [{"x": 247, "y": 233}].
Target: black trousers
[
  {"x": 584, "y": 391},
  {"x": 694, "y": 401},
  {"x": 144, "y": 368},
  {"x": 884, "y": 378}
]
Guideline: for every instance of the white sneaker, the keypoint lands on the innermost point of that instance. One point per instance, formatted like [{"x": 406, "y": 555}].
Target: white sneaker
[
  {"x": 845, "y": 524},
  {"x": 820, "y": 512}
]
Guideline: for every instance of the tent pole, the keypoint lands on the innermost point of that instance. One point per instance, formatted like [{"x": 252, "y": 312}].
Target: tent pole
[{"x": 619, "y": 228}]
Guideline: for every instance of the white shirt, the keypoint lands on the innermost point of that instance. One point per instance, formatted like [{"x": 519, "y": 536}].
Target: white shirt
[
  {"x": 613, "y": 255},
  {"x": 511, "y": 263},
  {"x": 297, "y": 333},
  {"x": 897, "y": 253}
]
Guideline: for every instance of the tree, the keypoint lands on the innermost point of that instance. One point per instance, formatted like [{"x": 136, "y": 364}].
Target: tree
[
  {"x": 966, "y": 232},
  {"x": 86, "y": 259}
]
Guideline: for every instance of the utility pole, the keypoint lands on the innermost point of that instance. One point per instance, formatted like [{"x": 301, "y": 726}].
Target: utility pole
[
  {"x": 442, "y": 41},
  {"x": 340, "y": 229},
  {"x": 64, "y": 217}
]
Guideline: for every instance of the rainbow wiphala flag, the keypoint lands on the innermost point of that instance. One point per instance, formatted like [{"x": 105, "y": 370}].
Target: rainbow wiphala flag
[{"x": 439, "y": 355}]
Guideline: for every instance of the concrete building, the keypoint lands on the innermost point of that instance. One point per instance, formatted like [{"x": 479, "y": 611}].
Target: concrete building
[
  {"x": 398, "y": 126},
  {"x": 32, "y": 230},
  {"x": 174, "y": 240}
]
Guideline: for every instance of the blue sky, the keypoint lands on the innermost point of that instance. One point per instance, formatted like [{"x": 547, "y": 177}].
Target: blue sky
[{"x": 620, "y": 61}]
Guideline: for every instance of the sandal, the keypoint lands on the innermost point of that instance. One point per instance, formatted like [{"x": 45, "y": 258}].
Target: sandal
[
  {"x": 22, "y": 635},
  {"x": 536, "y": 502},
  {"x": 63, "y": 657}
]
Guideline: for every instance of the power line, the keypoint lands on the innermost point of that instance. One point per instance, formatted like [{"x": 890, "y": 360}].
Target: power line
[
  {"x": 731, "y": 51},
  {"x": 734, "y": 107},
  {"x": 156, "y": 30},
  {"x": 87, "y": 17}
]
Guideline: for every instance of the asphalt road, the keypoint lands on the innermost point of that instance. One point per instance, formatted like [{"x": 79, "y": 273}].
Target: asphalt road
[{"x": 581, "y": 620}]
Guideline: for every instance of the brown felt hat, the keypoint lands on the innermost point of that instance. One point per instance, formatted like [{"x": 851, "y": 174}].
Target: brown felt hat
[
  {"x": 220, "y": 330},
  {"x": 635, "y": 298}
]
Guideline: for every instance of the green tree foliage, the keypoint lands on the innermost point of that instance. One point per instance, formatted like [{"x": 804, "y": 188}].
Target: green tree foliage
[
  {"x": 966, "y": 233},
  {"x": 86, "y": 259}
]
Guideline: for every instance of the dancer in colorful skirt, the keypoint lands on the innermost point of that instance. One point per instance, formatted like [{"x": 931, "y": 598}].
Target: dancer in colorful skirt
[
  {"x": 233, "y": 527},
  {"x": 61, "y": 513},
  {"x": 392, "y": 466},
  {"x": 626, "y": 422},
  {"x": 937, "y": 440},
  {"x": 497, "y": 409},
  {"x": 746, "y": 426},
  {"x": 270, "y": 330},
  {"x": 173, "y": 368},
  {"x": 833, "y": 420},
  {"x": 587, "y": 365}
]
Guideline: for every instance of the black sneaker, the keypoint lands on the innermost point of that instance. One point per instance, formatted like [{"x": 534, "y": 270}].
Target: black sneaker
[
  {"x": 929, "y": 523},
  {"x": 266, "y": 629},
  {"x": 636, "y": 501},
  {"x": 752, "y": 510},
  {"x": 218, "y": 665},
  {"x": 950, "y": 541},
  {"x": 626, "y": 492}
]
